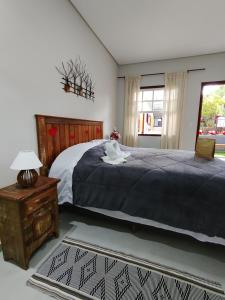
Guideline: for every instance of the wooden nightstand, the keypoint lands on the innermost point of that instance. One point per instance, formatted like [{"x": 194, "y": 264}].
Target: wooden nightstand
[{"x": 27, "y": 218}]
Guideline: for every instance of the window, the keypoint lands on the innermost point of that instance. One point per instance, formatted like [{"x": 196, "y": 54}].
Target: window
[{"x": 150, "y": 108}]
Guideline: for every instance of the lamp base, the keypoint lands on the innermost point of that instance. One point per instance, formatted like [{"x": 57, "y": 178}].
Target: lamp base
[{"x": 27, "y": 178}]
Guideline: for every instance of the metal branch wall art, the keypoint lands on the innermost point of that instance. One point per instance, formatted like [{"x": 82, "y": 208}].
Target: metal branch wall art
[{"x": 76, "y": 79}]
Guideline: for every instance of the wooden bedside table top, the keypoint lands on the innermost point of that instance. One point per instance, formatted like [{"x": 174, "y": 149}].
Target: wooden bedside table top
[{"x": 16, "y": 193}]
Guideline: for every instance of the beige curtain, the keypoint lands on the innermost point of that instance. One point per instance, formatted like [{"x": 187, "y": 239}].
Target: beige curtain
[
  {"x": 130, "y": 125},
  {"x": 175, "y": 94}
]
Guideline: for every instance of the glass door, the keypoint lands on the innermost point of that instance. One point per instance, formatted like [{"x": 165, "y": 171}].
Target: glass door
[{"x": 211, "y": 123}]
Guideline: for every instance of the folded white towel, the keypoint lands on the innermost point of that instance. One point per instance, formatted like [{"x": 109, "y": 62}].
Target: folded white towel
[
  {"x": 114, "y": 155},
  {"x": 116, "y": 161}
]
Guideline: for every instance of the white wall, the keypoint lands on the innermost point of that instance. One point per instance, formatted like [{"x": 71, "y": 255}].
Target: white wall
[
  {"x": 215, "y": 70},
  {"x": 35, "y": 37}
]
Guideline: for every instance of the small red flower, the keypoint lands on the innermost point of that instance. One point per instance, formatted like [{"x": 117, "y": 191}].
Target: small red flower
[{"x": 115, "y": 135}]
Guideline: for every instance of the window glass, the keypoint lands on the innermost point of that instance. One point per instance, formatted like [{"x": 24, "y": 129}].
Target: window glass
[
  {"x": 147, "y": 106},
  {"x": 150, "y": 107},
  {"x": 158, "y": 94},
  {"x": 147, "y": 95},
  {"x": 158, "y": 105}
]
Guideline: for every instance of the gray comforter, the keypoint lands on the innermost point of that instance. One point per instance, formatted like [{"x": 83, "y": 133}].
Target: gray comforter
[{"x": 167, "y": 186}]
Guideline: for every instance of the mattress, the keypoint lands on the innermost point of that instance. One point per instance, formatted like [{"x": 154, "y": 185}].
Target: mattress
[{"x": 63, "y": 168}]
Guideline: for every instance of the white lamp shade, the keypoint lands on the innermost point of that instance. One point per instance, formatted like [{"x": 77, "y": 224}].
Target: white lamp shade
[{"x": 26, "y": 160}]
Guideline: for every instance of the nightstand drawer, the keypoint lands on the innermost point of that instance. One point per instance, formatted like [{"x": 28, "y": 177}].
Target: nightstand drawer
[
  {"x": 42, "y": 223},
  {"x": 35, "y": 203},
  {"x": 37, "y": 224}
]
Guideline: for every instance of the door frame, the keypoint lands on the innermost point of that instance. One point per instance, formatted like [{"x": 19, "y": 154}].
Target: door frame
[{"x": 203, "y": 84}]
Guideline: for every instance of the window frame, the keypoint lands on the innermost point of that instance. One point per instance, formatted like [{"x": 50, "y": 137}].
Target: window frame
[{"x": 148, "y": 88}]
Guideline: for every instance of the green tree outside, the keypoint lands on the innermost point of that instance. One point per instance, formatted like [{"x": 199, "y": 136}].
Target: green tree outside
[{"x": 213, "y": 105}]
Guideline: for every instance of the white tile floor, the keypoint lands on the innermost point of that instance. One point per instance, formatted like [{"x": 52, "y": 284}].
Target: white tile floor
[{"x": 156, "y": 245}]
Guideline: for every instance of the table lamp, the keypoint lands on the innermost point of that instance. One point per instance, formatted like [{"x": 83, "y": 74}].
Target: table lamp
[{"x": 26, "y": 162}]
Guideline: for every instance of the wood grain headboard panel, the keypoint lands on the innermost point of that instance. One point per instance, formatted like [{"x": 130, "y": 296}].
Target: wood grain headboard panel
[{"x": 55, "y": 134}]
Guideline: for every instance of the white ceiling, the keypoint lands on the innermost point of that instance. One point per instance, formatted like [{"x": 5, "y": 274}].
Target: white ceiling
[{"x": 142, "y": 30}]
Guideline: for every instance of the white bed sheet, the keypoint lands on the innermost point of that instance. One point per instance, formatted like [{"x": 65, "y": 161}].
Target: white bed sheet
[{"x": 62, "y": 168}]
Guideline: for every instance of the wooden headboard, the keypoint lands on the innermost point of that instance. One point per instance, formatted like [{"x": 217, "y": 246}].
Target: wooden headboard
[{"x": 55, "y": 134}]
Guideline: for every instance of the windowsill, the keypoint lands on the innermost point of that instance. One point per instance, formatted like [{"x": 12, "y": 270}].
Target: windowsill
[{"x": 149, "y": 134}]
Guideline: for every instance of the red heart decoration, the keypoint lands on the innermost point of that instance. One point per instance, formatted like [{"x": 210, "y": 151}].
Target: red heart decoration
[
  {"x": 72, "y": 136},
  {"x": 52, "y": 131}
]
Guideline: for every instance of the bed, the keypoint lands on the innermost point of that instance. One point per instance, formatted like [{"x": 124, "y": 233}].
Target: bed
[{"x": 165, "y": 189}]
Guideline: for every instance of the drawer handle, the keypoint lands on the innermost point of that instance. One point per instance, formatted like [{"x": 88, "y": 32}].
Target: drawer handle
[
  {"x": 41, "y": 199},
  {"x": 36, "y": 201}
]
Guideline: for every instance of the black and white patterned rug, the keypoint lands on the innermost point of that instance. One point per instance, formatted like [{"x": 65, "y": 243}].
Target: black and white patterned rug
[{"x": 77, "y": 270}]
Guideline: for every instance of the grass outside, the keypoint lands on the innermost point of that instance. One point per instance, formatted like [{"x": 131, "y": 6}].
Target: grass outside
[{"x": 220, "y": 154}]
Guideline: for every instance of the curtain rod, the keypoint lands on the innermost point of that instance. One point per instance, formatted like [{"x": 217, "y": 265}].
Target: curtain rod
[{"x": 191, "y": 70}]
